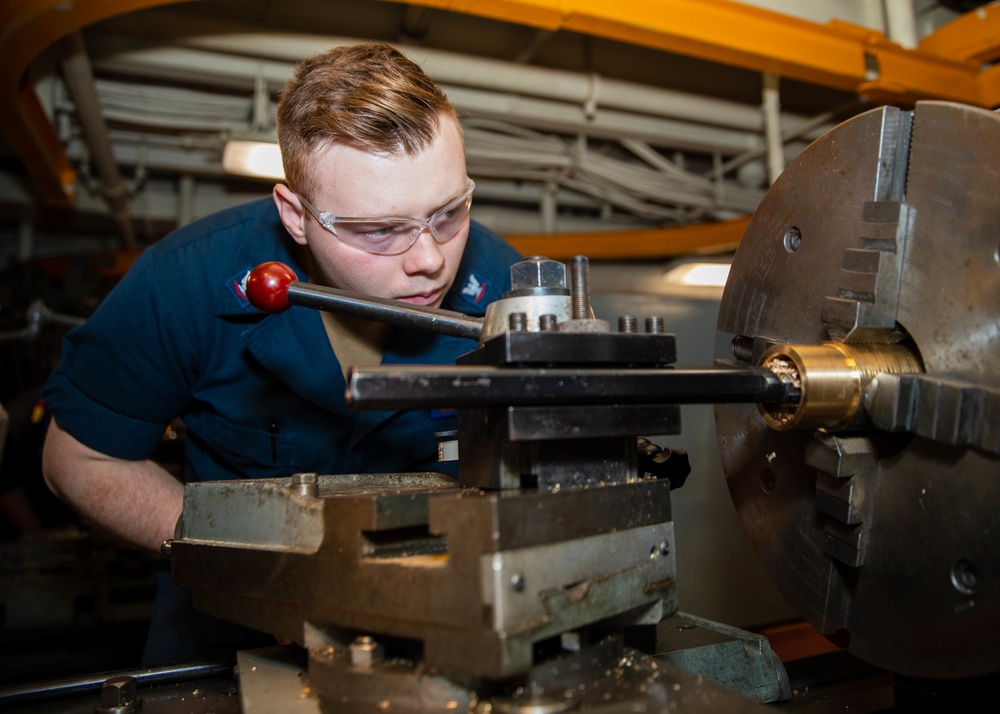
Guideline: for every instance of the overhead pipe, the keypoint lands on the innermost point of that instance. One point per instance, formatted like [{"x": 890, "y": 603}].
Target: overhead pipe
[
  {"x": 80, "y": 80},
  {"x": 771, "y": 103},
  {"x": 497, "y": 75},
  {"x": 527, "y": 105},
  {"x": 901, "y": 23},
  {"x": 793, "y": 133}
]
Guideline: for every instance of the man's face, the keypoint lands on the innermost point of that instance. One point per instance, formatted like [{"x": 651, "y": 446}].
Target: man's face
[{"x": 359, "y": 184}]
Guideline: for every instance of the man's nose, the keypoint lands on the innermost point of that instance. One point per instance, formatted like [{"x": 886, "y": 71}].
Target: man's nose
[{"x": 425, "y": 255}]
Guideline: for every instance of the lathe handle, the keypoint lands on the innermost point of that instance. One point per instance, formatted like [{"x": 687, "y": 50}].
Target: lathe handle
[{"x": 272, "y": 287}]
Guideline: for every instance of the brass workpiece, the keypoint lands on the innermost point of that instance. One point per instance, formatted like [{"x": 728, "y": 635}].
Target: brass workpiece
[{"x": 834, "y": 378}]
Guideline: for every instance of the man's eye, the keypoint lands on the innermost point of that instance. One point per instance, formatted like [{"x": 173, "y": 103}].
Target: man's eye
[
  {"x": 377, "y": 231},
  {"x": 451, "y": 216}
]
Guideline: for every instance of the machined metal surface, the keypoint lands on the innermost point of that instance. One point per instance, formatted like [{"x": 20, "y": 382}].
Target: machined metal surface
[
  {"x": 884, "y": 231},
  {"x": 602, "y": 675},
  {"x": 409, "y": 386},
  {"x": 535, "y": 308},
  {"x": 391, "y": 312}
]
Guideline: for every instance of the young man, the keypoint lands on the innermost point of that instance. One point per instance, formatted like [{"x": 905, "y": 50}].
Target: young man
[{"x": 364, "y": 135}]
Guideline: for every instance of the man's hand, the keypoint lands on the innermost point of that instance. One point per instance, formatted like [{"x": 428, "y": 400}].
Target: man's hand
[{"x": 135, "y": 500}]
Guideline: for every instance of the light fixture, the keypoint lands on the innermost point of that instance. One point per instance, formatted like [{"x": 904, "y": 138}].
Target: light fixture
[
  {"x": 259, "y": 159},
  {"x": 701, "y": 275}
]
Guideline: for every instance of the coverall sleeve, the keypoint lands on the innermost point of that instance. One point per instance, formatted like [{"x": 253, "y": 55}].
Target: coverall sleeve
[{"x": 129, "y": 370}]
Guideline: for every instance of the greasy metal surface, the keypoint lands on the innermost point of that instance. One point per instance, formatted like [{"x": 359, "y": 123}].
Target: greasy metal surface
[
  {"x": 409, "y": 562},
  {"x": 600, "y": 676},
  {"x": 211, "y": 693},
  {"x": 90, "y": 685},
  {"x": 890, "y": 537},
  {"x": 272, "y": 680},
  {"x": 273, "y": 515},
  {"x": 738, "y": 660},
  {"x": 648, "y": 551}
]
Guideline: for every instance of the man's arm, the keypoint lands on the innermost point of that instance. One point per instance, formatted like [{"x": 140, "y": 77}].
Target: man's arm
[{"x": 135, "y": 500}]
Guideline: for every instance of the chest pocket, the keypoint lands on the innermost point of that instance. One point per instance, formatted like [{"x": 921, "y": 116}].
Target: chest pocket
[{"x": 247, "y": 452}]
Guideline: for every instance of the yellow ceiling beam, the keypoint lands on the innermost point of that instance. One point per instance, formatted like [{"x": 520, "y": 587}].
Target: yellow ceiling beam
[
  {"x": 837, "y": 54},
  {"x": 654, "y": 243},
  {"x": 28, "y": 27}
]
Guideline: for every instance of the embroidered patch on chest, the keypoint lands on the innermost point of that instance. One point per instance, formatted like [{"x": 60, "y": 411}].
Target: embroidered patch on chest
[
  {"x": 238, "y": 286},
  {"x": 475, "y": 288}
]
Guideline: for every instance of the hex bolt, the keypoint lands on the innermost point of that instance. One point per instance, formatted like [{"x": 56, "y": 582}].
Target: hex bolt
[
  {"x": 305, "y": 484},
  {"x": 119, "y": 695},
  {"x": 654, "y": 325},
  {"x": 365, "y": 652},
  {"x": 538, "y": 274},
  {"x": 627, "y": 324}
]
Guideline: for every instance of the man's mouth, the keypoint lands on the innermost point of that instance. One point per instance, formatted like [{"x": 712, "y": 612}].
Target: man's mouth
[{"x": 427, "y": 298}]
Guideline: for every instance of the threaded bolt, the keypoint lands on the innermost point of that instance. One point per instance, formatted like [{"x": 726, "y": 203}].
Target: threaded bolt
[
  {"x": 580, "y": 286},
  {"x": 654, "y": 325},
  {"x": 517, "y": 322},
  {"x": 547, "y": 322},
  {"x": 627, "y": 324},
  {"x": 742, "y": 347}
]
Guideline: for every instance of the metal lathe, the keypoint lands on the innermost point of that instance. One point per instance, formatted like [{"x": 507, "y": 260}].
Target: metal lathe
[{"x": 858, "y": 422}]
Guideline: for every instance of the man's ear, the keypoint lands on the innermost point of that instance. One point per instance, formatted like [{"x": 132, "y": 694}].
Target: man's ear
[{"x": 291, "y": 211}]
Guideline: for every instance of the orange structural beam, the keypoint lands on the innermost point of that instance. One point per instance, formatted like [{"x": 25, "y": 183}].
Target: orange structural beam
[
  {"x": 837, "y": 54},
  {"x": 989, "y": 86},
  {"x": 974, "y": 36},
  {"x": 27, "y": 27},
  {"x": 713, "y": 237}
]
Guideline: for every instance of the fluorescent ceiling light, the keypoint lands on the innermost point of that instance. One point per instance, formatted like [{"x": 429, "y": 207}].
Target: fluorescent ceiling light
[
  {"x": 253, "y": 158},
  {"x": 704, "y": 275}
]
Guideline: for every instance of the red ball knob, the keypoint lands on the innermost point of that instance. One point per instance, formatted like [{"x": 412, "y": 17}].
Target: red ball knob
[{"x": 267, "y": 286}]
